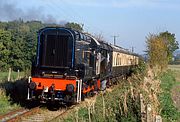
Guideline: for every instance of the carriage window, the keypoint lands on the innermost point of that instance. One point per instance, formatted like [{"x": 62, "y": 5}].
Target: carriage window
[
  {"x": 119, "y": 61},
  {"x": 116, "y": 60}
]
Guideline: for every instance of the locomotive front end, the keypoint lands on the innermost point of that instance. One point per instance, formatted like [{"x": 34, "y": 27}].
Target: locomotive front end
[{"x": 53, "y": 77}]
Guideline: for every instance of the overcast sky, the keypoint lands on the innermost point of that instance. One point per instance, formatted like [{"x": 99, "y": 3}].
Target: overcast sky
[{"x": 131, "y": 20}]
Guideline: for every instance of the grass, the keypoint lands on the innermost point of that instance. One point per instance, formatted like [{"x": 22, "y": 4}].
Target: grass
[
  {"x": 5, "y": 104},
  {"x": 119, "y": 105},
  {"x": 168, "y": 111},
  {"x": 115, "y": 105},
  {"x": 14, "y": 75},
  {"x": 174, "y": 67}
]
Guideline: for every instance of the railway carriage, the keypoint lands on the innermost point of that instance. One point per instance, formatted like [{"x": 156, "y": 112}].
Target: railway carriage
[{"x": 122, "y": 61}]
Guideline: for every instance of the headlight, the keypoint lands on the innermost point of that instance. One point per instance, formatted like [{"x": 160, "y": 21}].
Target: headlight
[
  {"x": 70, "y": 88},
  {"x": 32, "y": 85}
]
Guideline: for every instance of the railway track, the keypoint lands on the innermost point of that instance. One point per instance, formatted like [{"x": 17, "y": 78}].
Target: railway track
[
  {"x": 63, "y": 113},
  {"x": 46, "y": 115},
  {"x": 36, "y": 114},
  {"x": 17, "y": 114}
]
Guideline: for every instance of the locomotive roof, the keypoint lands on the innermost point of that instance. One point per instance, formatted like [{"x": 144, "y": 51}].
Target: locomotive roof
[
  {"x": 94, "y": 41},
  {"x": 82, "y": 36},
  {"x": 105, "y": 45}
]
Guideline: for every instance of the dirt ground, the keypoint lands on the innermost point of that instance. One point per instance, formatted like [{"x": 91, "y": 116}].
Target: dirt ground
[{"x": 176, "y": 88}]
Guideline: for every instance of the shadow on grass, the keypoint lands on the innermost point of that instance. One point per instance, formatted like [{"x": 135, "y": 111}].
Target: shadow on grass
[{"x": 17, "y": 92}]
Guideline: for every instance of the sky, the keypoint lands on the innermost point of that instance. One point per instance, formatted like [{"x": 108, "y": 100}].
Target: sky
[{"x": 130, "y": 20}]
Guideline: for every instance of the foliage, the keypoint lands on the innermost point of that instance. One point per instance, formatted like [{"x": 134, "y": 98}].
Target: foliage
[
  {"x": 119, "y": 105},
  {"x": 5, "y": 49},
  {"x": 157, "y": 51},
  {"x": 18, "y": 40},
  {"x": 169, "y": 112},
  {"x": 5, "y": 104},
  {"x": 122, "y": 104},
  {"x": 74, "y": 26},
  {"x": 18, "y": 44},
  {"x": 172, "y": 44},
  {"x": 141, "y": 68},
  {"x": 160, "y": 49}
]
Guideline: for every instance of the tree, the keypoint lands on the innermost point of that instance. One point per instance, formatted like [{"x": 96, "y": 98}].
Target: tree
[
  {"x": 23, "y": 41},
  {"x": 157, "y": 51},
  {"x": 172, "y": 44},
  {"x": 18, "y": 41},
  {"x": 74, "y": 26},
  {"x": 160, "y": 48},
  {"x": 5, "y": 50}
]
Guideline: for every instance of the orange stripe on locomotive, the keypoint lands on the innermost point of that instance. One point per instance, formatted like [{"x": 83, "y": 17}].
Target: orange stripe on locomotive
[{"x": 60, "y": 84}]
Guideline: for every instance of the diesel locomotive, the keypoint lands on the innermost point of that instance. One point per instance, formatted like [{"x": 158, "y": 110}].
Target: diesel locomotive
[{"x": 71, "y": 64}]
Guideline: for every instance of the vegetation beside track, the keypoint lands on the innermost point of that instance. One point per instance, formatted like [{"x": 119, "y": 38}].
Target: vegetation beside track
[
  {"x": 168, "y": 110},
  {"x": 115, "y": 105},
  {"x": 5, "y": 104},
  {"x": 119, "y": 103},
  {"x": 12, "y": 93},
  {"x": 122, "y": 103}
]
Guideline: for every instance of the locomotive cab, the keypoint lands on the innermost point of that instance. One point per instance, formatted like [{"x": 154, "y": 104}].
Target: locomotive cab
[
  {"x": 53, "y": 74},
  {"x": 55, "y": 54}
]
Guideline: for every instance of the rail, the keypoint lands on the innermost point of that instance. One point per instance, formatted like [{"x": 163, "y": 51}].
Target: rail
[{"x": 17, "y": 114}]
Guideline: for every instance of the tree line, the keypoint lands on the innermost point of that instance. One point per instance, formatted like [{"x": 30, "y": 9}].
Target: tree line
[{"x": 18, "y": 41}]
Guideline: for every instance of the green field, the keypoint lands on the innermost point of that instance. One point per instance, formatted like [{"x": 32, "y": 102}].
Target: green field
[
  {"x": 170, "y": 98},
  {"x": 174, "y": 67},
  {"x": 14, "y": 75}
]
